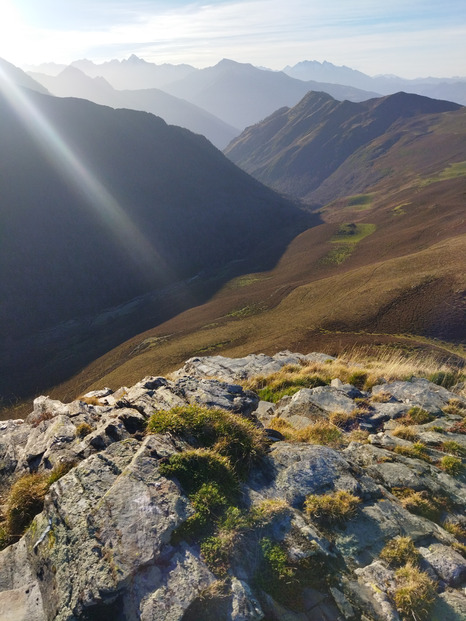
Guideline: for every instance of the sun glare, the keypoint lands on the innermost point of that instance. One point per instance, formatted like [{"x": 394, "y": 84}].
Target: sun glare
[{"x": 13, "y": 35}]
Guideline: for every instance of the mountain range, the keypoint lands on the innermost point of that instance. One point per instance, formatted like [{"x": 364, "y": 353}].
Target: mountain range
[
  {"x": 451, "y": 89},
  {"x": 115, "y": 223},
  {"x": 101, "y": 206},
  {"x": 322, "y": 148}
]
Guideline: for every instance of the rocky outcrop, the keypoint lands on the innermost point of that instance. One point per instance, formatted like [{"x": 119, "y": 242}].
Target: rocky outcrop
[{"x": 112, "y": 539}]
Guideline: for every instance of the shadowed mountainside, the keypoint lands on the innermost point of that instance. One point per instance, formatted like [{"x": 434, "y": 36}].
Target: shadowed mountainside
[
  {"x": 322, "y": 148},
  {"x": 100, "y": 206}
]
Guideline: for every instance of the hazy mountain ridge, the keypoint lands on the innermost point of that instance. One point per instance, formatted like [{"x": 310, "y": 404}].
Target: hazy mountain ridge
[
  {"x": 72, "y": 82},
  {"x": 296, "y": 150},
  {"x": 451, "y": 89}
]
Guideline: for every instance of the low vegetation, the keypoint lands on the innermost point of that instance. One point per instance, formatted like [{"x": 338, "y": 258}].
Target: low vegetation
[
  {"x": 451, "y": 465},
  {"x": 332, "y": 508},
  {"x": 25, "y": 500},
  {"x": 229, "y": 435},
  {"x": 399, "y": 551},
  {"x": 320, "y": 432},
  {"x": 416, "y": 416},
  {"x": 415, "y": 593}
]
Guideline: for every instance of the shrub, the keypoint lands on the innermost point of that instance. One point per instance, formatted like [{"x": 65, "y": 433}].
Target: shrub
[
  {"x": 321, "y": 432},
  {"x": 414, "y": 594},
  {"x": 381, "y": 397},
  {"x": 451, "y": 465},
  {"x": 407, "y": 433},
  {"x": 358, "y": 379},
  {"x": 25, "y": 500},
  {"x": 416, "y": 451},
  {"x": 230, "y": 434},
  {"x": 59, "y": 471},
  {"x": 89, "y": 400},
  {"x": 455, "y": 407},
  {"x": 400, "y": 551},
  {"x": 343, "y": 419},
  {"x": 416, "y": 416},
  {"x": 335, "y": 507},
  {"x": 452, "y": 447},
  {"x": 276, "y": 559},
  {"x": 216, "y": 552},
  {"x": 196, "y": 467},
  {"x": 41, "y": 417},
  {"x": 5, "y": 539},
  {"x": 422, "y": 503},
  {"x": 455, "y": 529},
  {"x": 458, "y": 427},
  {"x": 447, "y": 379},
  {"x": 83, "y": 429}
]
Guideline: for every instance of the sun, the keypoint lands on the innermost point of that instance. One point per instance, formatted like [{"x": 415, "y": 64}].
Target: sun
[{"x": 15, "y": 45}]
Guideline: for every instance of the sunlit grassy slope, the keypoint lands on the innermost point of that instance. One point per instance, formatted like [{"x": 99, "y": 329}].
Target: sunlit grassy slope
[{"x": 400, "y": 282}]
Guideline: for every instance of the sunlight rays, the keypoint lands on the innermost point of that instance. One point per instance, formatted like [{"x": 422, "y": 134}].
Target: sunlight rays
[{"x": 97, "y": 197}]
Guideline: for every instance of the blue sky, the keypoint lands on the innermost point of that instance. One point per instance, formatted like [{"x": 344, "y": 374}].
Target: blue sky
[{"x": 408, "y": 38}]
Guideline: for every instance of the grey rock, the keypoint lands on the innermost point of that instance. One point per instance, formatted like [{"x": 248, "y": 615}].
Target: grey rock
[
  {"x": 448, "y": 564},
  {"x": 245, "y": 606},
  {"x": 302, "y": 469},
  {"x": 312, "y": 403},
  {"x": 449, "y": 606},
  {"x": 231, "y": 369},
  {"x": 419, "y": 393},
  {"x": 215, "y": 394}
]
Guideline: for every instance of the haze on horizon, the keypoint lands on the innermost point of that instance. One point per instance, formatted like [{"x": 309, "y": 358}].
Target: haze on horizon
[{"x": 414, "y": 38}]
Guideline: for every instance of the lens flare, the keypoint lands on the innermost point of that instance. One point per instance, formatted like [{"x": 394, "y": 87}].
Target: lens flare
[{"x": 84, "y": 182}]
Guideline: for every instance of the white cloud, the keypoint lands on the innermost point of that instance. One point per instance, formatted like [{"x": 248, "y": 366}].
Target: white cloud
[{"x": 411, "y": 38}]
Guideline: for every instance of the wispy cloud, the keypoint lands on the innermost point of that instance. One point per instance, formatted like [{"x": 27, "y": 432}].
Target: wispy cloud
[{"x": 416, "y": 37}]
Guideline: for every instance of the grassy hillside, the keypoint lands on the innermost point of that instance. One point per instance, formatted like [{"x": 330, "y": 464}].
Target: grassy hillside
[{"x": 401, "y": 286}]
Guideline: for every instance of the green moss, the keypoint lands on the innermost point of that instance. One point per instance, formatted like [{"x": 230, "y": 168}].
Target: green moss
[
  {"x": 197, "y": 467},
  {"x": 276, "y": 560}
]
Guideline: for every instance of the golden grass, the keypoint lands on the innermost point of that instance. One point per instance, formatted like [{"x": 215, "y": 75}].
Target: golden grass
[
  {"x": 414, "y": 594},
  {"x": 320, "y": 432}
]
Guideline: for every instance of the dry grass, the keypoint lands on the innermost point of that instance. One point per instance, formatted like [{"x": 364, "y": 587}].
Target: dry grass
[
  {"x": 320, "y": 432},
  {"x": 400, "y": 551},
  {"x": 406, "y": 433},
  {"x": 332, "y": 508},
  {"x": 414, "y": 594}
]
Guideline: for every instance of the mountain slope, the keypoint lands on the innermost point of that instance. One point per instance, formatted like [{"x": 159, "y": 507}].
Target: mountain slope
[
  {"x": 241, "y": 94},
  {"x": 298, "y": 150},
  {"x": 72, "y": 82},
  {"x": 99, "y": 206},
  {"x": 10, "y": 73}
]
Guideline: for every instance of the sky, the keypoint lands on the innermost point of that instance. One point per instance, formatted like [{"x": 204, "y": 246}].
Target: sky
[{"x": 408, "y": 38}]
